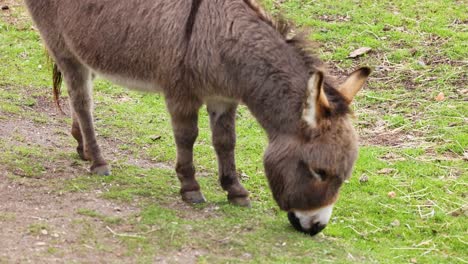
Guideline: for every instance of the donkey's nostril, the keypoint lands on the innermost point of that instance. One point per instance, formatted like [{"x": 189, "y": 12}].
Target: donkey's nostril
[
  {"x": 295, "y": 222},
  {"x": 316, "y": 228}
]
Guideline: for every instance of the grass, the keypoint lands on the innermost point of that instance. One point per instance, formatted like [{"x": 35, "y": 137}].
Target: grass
[
  {"x": 412, "y": 145},
  {"x": 37, "y": 229}
]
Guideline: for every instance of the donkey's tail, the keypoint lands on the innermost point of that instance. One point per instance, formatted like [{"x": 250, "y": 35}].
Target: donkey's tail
[
  {"x": 56, "y": 79},
  {"x": 57, "y": 86}
]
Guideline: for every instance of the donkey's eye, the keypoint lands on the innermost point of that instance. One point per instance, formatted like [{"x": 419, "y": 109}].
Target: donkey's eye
[
  {"x": 305, "y": 170},
  {"x": 319, "y": 174}
]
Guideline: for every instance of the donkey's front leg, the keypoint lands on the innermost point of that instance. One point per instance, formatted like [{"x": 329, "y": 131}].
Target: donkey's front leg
[
  {"x": 222, "y": 121},
  {"x": 185, "y": 127}
]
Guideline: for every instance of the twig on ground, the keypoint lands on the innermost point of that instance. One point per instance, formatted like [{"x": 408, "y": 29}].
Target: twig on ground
[
  {"x": 123, "y": 235},
  {"x": 415, "y": 248},
  {"x": 357, "y": 232}
]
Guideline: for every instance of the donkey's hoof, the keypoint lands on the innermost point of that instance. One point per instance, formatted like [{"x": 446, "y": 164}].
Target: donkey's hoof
[
  {"x": 193, "y": 197},
  {"x": 102, "y": 170},
  {"x": 82, "y": 154},
  {"x": 241, "y": 201}
]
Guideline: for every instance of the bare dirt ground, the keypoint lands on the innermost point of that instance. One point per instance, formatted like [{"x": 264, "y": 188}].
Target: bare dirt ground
[
  {"x": 41, "y": 224},
  {"x": 37, "y": 220}
]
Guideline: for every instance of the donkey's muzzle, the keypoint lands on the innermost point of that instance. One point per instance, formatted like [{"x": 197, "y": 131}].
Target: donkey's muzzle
[{"x": 296, "y": 223}]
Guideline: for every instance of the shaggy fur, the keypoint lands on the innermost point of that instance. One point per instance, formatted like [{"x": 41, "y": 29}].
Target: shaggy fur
[{"x": 215, "y": 52}]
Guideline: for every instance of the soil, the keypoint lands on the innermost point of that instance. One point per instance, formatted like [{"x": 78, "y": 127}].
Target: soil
[
  {"x": 35, "y": 219},
  {"x": 41, "y": 224},
  {"x": 37, "y": 222}
]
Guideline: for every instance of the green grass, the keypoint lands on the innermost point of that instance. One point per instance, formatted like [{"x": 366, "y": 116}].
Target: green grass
[
  {"x": 413, "y": 145},
  {"x": 94, "y": 214},
  {"x": 37, "y": 229}
]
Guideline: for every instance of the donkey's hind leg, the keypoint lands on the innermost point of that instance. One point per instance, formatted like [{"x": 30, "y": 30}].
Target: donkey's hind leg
[
  {"x": 76, "y": 133},
  {"x": 222, "y": 121},
  {"x": 185, "y": 126},
  {"x": 78, "y": 80}
]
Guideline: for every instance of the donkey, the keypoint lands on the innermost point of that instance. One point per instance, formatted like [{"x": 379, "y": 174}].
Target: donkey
[{"x": 219, "y": 53}]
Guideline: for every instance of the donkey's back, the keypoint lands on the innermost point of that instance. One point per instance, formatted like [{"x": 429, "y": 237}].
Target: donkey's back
[{"x": 141, "y": 44}]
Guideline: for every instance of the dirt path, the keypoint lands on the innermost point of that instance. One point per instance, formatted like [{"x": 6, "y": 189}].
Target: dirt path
[{"x": 40, "y": 224}]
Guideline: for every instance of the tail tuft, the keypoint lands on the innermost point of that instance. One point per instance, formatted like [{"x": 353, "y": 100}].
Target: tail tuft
[{"x": 57, "y": 85}]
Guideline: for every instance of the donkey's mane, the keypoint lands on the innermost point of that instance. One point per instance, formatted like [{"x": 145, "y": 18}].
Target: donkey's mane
[
  {"x": 285, "y": 27},
  {"x": 303, "y": 46}
]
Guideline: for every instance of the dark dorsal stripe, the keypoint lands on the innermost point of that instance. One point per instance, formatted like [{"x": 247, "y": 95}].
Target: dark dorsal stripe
[{"x": 191, "y": 19}]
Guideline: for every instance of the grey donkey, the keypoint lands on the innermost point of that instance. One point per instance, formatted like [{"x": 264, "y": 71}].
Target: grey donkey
[{"x": 219, "y": 53}]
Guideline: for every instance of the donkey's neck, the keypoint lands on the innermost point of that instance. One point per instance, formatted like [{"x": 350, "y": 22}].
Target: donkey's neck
[
  {"x": 277, "y": 104},
  {"x": 274, "y": 84}
]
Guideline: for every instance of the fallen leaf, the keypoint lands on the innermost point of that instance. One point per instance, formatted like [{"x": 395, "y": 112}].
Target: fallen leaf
[
  {"x": 391, "y": 156},
  {"x": 456, "y": 213},
  {"x": 364, "y": 178},
  {"x": 395, "y": 223},
  {"x": 386, "y": 171},
  {"x": 124, "y": 99},
  {"x": 413, "y": 260},
  {"x": 155, "y": 137},
  {"x": 19, "y": 172},
  {"x": 359, "y": 52},
  {"x": 243, "y": 176},
  {"x": 440, "y": 97}
]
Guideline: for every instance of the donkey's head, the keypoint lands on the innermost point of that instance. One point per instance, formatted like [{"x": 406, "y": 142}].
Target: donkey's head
[{"x": 306, "y": 170}]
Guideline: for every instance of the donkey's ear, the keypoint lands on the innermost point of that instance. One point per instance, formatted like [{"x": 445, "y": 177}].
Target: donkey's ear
[
  {"x": 316, "y": 99},
  {"x": 354, "y": 83}
]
